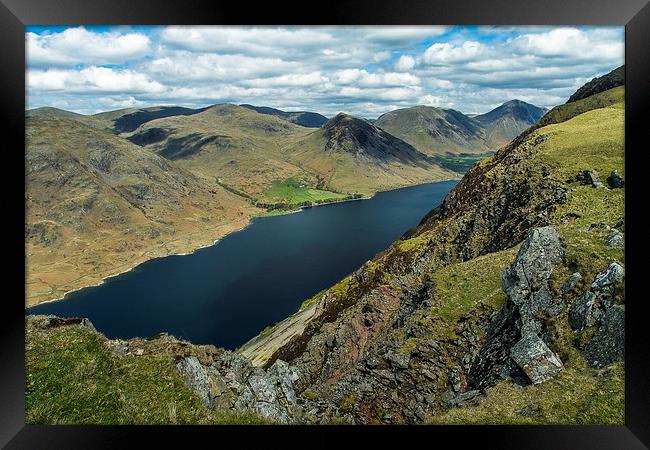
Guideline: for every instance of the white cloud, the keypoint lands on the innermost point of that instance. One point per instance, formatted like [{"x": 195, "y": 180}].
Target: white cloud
[
  {"x": 306, "y": 79},
  {"x": 363, "y": 70},
  {"x": 444, "y": 53},
  {"x": 187, "y": 66},
  {"x": 256, "y": 40},
  {"x": 569, "y": 42},
  {"x": 365, "y": 78},
  {"x": 80, "y": 46},
  {"x": 439, "y": 101},
  {"x": 92, "y": 80},
  {"x": 405, "y": 63}
]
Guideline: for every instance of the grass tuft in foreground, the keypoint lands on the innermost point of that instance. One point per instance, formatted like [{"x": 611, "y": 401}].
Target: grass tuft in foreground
[{"x": 73, "y": 378}]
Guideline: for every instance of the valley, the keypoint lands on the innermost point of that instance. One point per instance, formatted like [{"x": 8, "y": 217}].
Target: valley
[
  {"x": 504, "y": 304},
  {"x": 118, "y": 188}
]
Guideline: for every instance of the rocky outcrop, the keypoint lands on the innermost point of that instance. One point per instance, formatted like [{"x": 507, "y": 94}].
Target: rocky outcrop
[
  {"x": 585, "y": 311},
  {"x": 600, "y": 84},
  {"x": 513, "y": 346},
  {"x": 601, "y": 306},
  {"x": 534, "y": 357},
  {"x": 616, "y": 239},
  {"x": 590, "y": 177},
  {"x": 54, "y": 322},
  {"x": 231, "y": 382},
  {"x": 608, "y": 344}
]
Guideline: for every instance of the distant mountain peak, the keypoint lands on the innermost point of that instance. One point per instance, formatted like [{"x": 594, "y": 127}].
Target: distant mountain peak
[
  {"x": 515, "y": 109},
  {"x": 343, "y": 120}
]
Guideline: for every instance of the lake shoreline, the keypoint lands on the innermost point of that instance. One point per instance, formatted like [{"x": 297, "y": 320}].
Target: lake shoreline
[
  {"x": 369, "y": 197},
  {"x": 216, "y": 241}
]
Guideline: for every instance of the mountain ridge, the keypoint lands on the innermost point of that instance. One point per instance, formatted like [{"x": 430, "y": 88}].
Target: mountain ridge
[
  {"x": 438, "y": 131},
  {"x": 304, "y": 118}
]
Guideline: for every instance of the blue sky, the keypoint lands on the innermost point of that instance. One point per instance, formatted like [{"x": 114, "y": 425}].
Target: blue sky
[{"x": 364, "y": 71}]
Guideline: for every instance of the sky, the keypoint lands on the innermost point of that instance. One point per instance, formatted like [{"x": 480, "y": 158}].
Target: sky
[{"x": 365, "y": 71}]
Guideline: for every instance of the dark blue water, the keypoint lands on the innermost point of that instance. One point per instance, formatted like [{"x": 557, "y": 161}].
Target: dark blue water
[{"x": 227, "y": 293}]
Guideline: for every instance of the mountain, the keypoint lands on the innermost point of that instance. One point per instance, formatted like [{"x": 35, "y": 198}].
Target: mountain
[
  {"x": 440, "y": 131},
  {"x": 251, "y": 152},
  {"x": 505, "y": 122},
  {"x": 435, "y": 131},
  {"x": 120, "y": 121},
  {"x": 504, "y": 305},
  {"x": 352, "y": 155},
  {"x": 302, "y": 118},
  {"x": 98, "y": 205},
  {"x": 237, "y": 145},
  {"x": 47, "y": 111},
  {"x": 608, "y": 81},
  {"x": 127, "y": 120}
]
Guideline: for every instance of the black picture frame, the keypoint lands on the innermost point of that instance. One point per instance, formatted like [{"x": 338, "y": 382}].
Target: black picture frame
[{"x": 634, "y": 14}]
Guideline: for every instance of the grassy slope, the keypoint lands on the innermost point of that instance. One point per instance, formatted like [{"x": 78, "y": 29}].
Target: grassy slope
[
  {"x": 73, "y": 378},
  {"x": 567, "y": 111},
  {"x": 245, "y": 156},
  {"x": 579, "y": 394},
  {"x": 459, "y": 163},
  {"x": 293, "y": 192}
]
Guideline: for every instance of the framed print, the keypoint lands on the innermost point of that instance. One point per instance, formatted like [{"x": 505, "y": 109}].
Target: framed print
[{"x": 385, "y": 214}]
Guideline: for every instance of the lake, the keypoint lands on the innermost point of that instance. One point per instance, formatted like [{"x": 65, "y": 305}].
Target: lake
[{"x": 227, "y": 293}]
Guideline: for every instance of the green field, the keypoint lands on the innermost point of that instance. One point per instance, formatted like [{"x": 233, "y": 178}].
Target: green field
[
  {"x": 459, "y": 163},
  {"x": 293, "y": 193}
]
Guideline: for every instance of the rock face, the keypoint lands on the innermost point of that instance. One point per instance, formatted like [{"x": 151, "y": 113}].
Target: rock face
[
  {"x": 608, "y": 344},
  {"x": 585, "y": 311},
  {"x": 598, "y": 307},
  {"x": 599, "y": 84},
  {"x": 605, "y": 283},
  {"x": 232, "y": 383},
  {"x": 513, "y": 347}
]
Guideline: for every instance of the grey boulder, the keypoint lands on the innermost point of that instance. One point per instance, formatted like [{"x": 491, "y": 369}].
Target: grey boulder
[
  {"x": 590, "y": 177},
  {"x": 534, "y": 357},
  {"x": 616, "y": 239}
]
